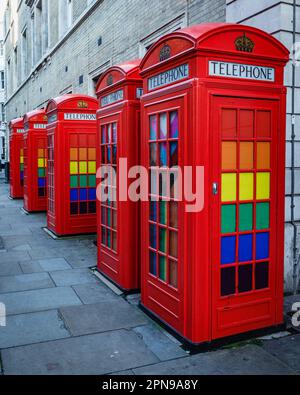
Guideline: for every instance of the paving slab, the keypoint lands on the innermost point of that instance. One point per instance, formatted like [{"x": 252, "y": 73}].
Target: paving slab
[
  {"x": 9, "y": 269},
  {"x": 54, "y": 264},
  {"x": 248, "y": 360},
  {"x": 13, "y": 257},
  {"x": 286, "y": 350},
  {"x": 25, "y": 282},
  {"x": 31, "y": 267},
  {"x": 87, "y": 355},
  {"x": 32, "y": 328},
  {"x": 101, "y": 317},
  {"x": 81, "y": 262},
  {"x": 44, "y": 253},
  {"x": 160, "y": 344},
  {"x": 39, "y": 300},
  {"x": 94, "y": 293},
  {"x": 73, "y": 277}
]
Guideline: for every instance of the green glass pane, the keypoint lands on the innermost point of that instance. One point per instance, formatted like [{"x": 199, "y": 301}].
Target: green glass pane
[
  {"x": 228, "y": 218},
  {"x": 163, "y": 268},
  {"x": 109, "y": 217},
  {"x": 163, "y": 240},
  {"x": 92, "y": 181},
  {"x": 22, "y": 167},
  {"x": 42, "y": 173},
  {"x": 163, "y": 213},
  {"x": 246, "y": 217},
  {"x": 262, "y": 216},
  {"x": 74, "y": 181},
  {"x": 83, "y": 181}
]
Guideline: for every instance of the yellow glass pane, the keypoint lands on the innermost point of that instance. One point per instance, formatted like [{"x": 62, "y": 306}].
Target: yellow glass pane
[
  {"x": 228, "y": 187},
  {"x": 228, "y": 155},
  {"x": 22, "y": 160},
  {"x": 246, "y": 186},
  {"x": 41, "y": 163},
  {"x": 73, "y": 167},
  {"x": 92, "y": 167},
  {"x": 82, "y": 167},
  {"x": 263, "y": 186},
  {"x": 46, "y": 162}
]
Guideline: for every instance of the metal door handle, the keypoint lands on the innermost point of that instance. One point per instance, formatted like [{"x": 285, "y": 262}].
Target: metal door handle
[{"x": 215, "y": 188}]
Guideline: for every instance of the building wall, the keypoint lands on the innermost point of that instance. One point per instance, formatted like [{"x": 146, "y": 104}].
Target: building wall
[
  {"x": 276, "y": 17},
  {"x": 3, "y": 137},
  {"x": 102, "y": 33}
]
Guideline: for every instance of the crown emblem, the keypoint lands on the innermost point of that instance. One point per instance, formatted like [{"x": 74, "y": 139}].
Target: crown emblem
[
  {"x": 244, "y": 44},
  {"x": 165, "y": 53},
  {"x": 82, "y": 104},
  {"x": 110, "y": 80}
]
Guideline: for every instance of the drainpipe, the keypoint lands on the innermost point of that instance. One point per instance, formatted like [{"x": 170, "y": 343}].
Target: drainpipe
[{"x": 295, "y": 260}]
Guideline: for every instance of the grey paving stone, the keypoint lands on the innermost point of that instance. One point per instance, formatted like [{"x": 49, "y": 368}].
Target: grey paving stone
[
  {"x": 13, "y": 257},
  {"x": 94, "y": 293},
  {"x": 25, "y": 282},
  {"x": 22, "y": 247},
  {"x": 44, "y": 253},
  {"x": 31, "y": 267},
  {"x": 81, "y": 262},
  {"x": 39, "y": 300},
  {"x": 32, "y": 328},
  {"x": 73, "y": 277},
  {"x": 286, "y": 350},
  {"x": 248, "y": 360},
  {"x": 54, "y": 264},
  {"x": 88, "y": 355},
  {"x": 161, "y": 345},
  {"x": 102, "y": 317},
  {"x": 123, "y": 373},
  {"x": 10, "y": 269}
]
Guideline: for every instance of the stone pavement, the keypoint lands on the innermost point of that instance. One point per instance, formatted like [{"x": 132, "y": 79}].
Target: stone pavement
[{"x": 61, "y": 319}]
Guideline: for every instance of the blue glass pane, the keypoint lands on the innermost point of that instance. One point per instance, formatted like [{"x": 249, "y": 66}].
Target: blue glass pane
[
  {"x": 163, "y": 154},
  {"x": 245, "y": 248},
  {"x": 114, "y": 133},
  {"x": 153, "y": 211},
  {"x": 262, "y": 246},
  {"x": 153, "y": 127},
  {"x": 163, "y": 130},
  {"x": 74, "y": 195},
  {"x": 83, "y": 194},
  {"x": 42, "y": 182},
  {"x": 103, "y": 139},
  {"x": 92, "y": 194},
  {"x": 153, "y": 236},
  {"x": 108, "y": 154},
  {"x": 228, "y": 248},
  {"x": 114, "y": 154},
  {"x": 174, "y": 125},
  {"x": 153, "y": 266},
  {"x": 109, "y": 133}
]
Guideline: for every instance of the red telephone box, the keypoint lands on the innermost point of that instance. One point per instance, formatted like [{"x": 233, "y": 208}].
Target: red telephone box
[
  {"x": 35, "y": 161},
  {"x": 214, "y": 98},
  {"x": 16, "y": 152},
  {"x": 119, "y": 91},
  {"x": 72, "y": 164}
]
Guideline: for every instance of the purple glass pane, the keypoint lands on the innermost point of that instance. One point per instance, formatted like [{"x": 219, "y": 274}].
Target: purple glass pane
[{"x": 174, "y": 125}]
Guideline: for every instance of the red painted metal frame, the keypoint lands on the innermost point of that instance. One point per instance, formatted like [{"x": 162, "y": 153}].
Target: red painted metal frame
[
  {"x": 60, "y": 132},
  {"x": 195, "y": 310},
  {"x": 122, "y": 265},
  {"x": 32, "y": 136},
  {"x": 16, "y": 143}
]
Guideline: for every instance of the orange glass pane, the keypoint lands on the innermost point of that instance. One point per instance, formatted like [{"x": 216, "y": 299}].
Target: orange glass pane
[
  {"x": 92, "y": 153},
  {"x": 263, "y": 155},
  {"x": 73, "y": 154},
  {"x": 246, "y": 123},
  {"x": 41, "y": 153},
  {"x": 229, "y": 123},
  {"x": 263, "y": 124},
  {"x": 228, "y": 155},
  {"x": 246, "y": 155},
  {"x": 83, "y": 154}
]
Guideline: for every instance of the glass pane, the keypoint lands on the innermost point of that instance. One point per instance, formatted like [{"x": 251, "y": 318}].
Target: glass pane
[
  {"x": 246, "y": 217},
  {"x": 245, "y": 278},
  {"x": 163, "y": 130},
  {"x": 108, "y": 235},
  {"x": 262, "y": 216},
  {"x": 115, "y": 220},
  {"x": 263, "y": 186},
  {"x": 103, "y": 135},
  {"x": 109, "y": 217},
  {"x": 152, "y": 261},
  {"x": 153, "y": 127},
  {"x": 163, "y": 268},
  {"x": 153, "y": 236},
  {"x": 103, "y": 236},
  {"x": 83, "y": 154},
  {"x": 228, "y": 218},
  {"x": 153, "y": 211},
  {"x": 153, "y": 154},
  {"x": 174, "y": 125},
  {"x": 173, "y": 268},
  {"x": 246, "y": 186},
  {"x": 246, "y": 156},
  {"x": 228, "y": 281},
  {"x": 163, "y": 213},
  {"x": 229, "y": 123},
  {"x": 114, "y": 136},
  {"x": 263, "y": 155},
  {"x": 263, "y": 124},
  {"x": 246, "y": 123},
  {"x": 109, "y": 133},
  {"x": 114, "y": 245},
  {"x": 262, "y": 246},
  {"x": 108, "y": 154},
  {"x": 114, "y": 154},
  {"x": 262, "y": 275},
  {"x": 103, "y": 157},
  {"x": 173, "y": 154},
  {"x": 228, "y": 187},
  {"x": 173, "y": 244},
  {"x": 245, "y": 248},
  {"x": 103, "y": 215},
  {"x": 228, "y": 250},
  {"x": 163, "y": 154},
  {"x": 163, "y": 240},
  {"x": 229, "y": 155},
  {"x": 173, "y": 215}
]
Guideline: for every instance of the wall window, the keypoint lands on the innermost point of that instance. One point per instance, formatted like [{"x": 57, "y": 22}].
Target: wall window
[
  {"x": 1, "y": 48},
  {"x": 2, "y": 112},
  {"x": 65, "y": 16},
  {"x": 2, "y": 80},
  {"x": 24, "y": 57}
]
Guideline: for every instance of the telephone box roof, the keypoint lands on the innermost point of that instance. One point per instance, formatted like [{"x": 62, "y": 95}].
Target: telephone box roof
[
  {"x": 16, "y": 123},
  {"x": 66, "y": 101},
  {"x": 35, "y": 116}
]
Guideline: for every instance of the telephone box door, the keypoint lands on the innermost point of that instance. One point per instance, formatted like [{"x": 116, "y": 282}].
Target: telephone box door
[
  {"x": 244, "y": 147},
  {"x": 163, "y": 246}
]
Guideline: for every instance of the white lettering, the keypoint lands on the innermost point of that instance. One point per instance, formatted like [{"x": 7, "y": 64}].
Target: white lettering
[
  {"x": 237, "y": 70},
  {"x": 168, "y": 77}
]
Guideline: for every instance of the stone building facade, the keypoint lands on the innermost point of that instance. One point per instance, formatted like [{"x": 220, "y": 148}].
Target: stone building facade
[
  {"x": 3, "y": 137},
  {"x": 54, "y": 47}
]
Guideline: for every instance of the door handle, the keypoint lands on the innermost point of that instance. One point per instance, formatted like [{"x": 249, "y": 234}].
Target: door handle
[{"x": 215, "y": 188}]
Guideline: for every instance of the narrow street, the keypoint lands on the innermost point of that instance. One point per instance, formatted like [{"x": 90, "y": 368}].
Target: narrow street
[{"x": 61, "y": 319}]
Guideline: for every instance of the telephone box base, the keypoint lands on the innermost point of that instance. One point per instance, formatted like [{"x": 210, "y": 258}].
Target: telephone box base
[
  {"x": 62, "y": 237},
  {"x": 124, "y": 291},
  {"x": 196, "y": 348}
]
